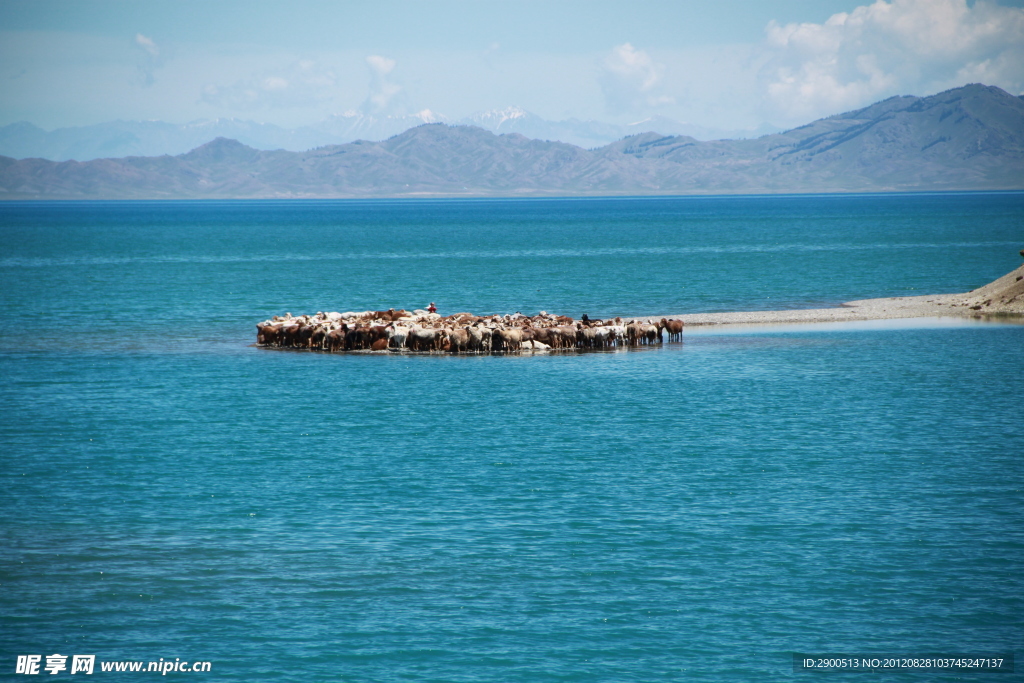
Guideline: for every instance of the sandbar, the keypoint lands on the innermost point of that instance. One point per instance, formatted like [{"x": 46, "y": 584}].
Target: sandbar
[{"x": 1001, "y": 299}]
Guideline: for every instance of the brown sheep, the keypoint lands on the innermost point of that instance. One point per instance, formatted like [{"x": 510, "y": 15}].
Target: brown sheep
[
  {"x": 562, "y": 337},
  {"x": 541, "y": 334},
  {"x": 268, "y": 335},
  {"x": 316, "y": 341},
  {"x": 633, "y": 333},
  {"x": 674, "y": 329},
  {"x": 336, "y": 340},
  {"x": 290, "y": 335},
  {"x": 458, "y": 340},
  {"x": 507, "y": 341}
]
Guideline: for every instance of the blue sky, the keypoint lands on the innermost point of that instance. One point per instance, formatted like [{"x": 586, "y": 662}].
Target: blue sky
[{"x": 727, "y": 64}]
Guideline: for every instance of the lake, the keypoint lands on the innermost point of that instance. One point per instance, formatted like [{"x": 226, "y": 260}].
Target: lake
[{"x": 697, "y": 511}]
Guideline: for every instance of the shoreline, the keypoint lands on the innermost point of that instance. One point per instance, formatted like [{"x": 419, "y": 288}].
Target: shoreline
[{"x": 1002, "y": 300}]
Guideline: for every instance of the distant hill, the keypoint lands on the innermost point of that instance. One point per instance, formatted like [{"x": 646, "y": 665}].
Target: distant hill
[
  {"x": 969, "y": 138},
  {"x": 155, "y": 138}
]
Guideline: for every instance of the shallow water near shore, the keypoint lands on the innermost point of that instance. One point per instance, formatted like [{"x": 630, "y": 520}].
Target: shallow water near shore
[{"x": 696, "y": 511}]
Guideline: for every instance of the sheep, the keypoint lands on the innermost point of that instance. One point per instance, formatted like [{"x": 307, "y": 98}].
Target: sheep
[
  {"x": 507, "y": 340},
  {"x": 459, "y": 333},
  {"x": 458, "y": 340},
  {"x": 397, "y": 336},
  {"x": 422, "y": 339},
  {"x": 674, "y": 329}
]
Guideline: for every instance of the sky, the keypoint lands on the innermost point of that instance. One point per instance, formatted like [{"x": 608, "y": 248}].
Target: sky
[{"x": 735, "y": 64}]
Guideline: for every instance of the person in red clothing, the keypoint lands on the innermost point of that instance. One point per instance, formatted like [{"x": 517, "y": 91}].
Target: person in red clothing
[{"x": 431, "y": 308}]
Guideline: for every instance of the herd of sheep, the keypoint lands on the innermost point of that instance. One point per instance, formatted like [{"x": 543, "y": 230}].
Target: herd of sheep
[{"x": 421, "y": 331}]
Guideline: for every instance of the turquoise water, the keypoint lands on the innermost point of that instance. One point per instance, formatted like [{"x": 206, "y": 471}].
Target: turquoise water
[{"x": 693, "y": 512}]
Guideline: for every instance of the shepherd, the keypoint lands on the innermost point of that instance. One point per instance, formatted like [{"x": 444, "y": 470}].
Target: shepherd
[{"x": 431, "y": 308}]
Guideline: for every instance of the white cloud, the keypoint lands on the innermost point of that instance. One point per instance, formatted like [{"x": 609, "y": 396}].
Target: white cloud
[
  {"x": 381, "y": 66},
  {"x": 147, "y": 44},
  {"x": 148, "y": 59},
  {"x": 631, "y": 80},
  {"x": 383, "y": 91},
  {"x": 889, "y": 48},
  {"x": 302, "y": 83}
]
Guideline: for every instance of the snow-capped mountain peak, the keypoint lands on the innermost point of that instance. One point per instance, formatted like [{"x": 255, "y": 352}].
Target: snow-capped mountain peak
[{"x": 494, "y": 118}]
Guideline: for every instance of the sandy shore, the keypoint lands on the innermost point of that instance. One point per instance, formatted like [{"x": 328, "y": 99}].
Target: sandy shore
[{"x": 1000, "y": 299}]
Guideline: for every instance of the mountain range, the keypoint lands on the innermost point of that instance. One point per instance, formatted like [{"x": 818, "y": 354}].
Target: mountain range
[
  {"x": 153, "y": 138},
  {"x": 968, "y": 138}
]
